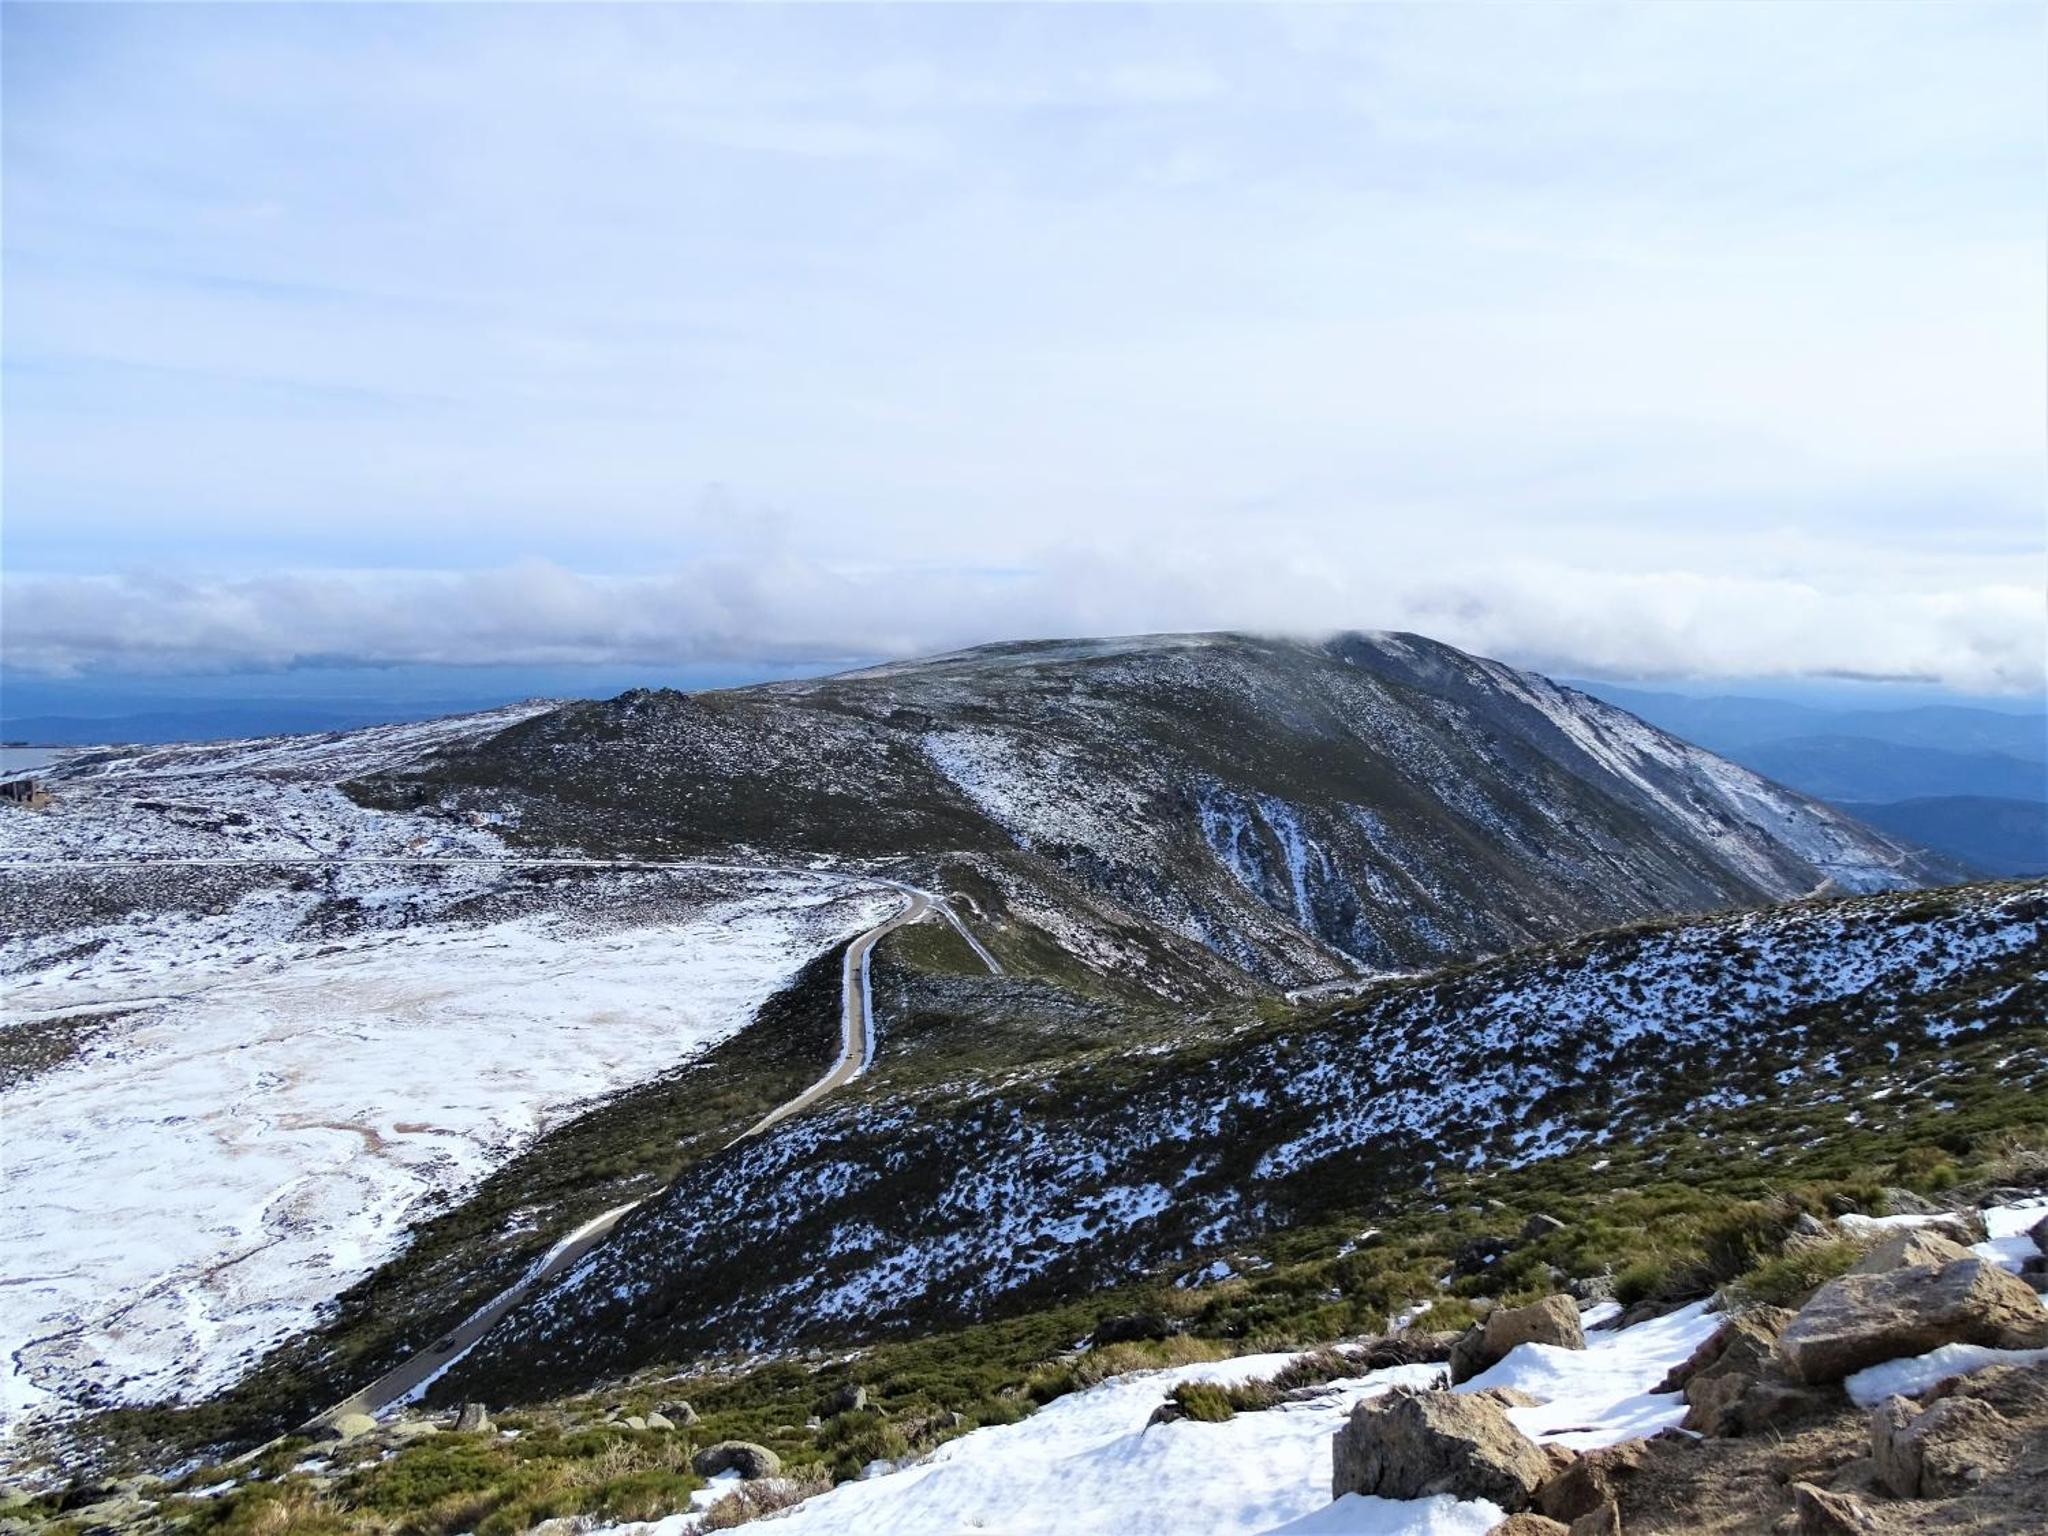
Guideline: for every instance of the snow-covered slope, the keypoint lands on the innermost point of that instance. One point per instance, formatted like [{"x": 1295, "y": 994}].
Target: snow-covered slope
[
  {"x": 1298, "y": 811},
  {"x": 254, "y": 1032},
  {"x": 950, "y": 1203}
]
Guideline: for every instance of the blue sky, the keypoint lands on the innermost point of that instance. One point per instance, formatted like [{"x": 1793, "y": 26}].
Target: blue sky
[{"x": 1655, "y": 340}]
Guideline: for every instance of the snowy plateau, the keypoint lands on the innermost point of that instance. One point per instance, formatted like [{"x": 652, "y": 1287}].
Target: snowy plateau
[{"x": 372, "y": 1014}]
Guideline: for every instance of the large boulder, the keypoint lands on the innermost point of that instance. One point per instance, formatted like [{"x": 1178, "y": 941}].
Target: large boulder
[
  {"x": 1722, "y": 1371},
  {"x": 741, "y": 1456},
  {"x": 1910, "y": 1249},
  {"x": 1861, "y": 1320},
  {"x": 1553, "y": 1320},
  {"x": 1589, "y": 1481},
  {"x": 474, "y": 1419},
  {"x": 1934, "y": 1452},
  {"x": 1411, "y": 1444},
  {"x": 2039, "y": 1233}
]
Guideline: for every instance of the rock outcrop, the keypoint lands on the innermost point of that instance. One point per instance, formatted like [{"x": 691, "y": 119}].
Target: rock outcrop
[
  {"x": 1861, "y": 1320},
  {"x": 1413, "y": 1445}
]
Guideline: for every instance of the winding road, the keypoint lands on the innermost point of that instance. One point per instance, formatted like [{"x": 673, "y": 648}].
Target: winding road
[{"x": 856, "y": 1052}]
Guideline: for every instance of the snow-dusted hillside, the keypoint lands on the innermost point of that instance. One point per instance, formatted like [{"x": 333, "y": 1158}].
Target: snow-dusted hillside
[
  {"x": 1297, "y": 811},
  {"x": 946, "y": 1203},
  {"x": 254, "y": 1032}
]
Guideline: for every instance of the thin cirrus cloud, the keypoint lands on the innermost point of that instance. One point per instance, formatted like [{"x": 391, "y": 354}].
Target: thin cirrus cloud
[{"x": 1674, "y": 339}]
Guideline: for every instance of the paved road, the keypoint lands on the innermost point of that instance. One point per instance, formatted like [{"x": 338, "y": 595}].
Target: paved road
[{"x": 856, "y": 1051}]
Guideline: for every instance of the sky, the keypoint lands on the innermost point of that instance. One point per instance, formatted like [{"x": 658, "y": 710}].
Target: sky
[{"x": 1657, "y": 341}]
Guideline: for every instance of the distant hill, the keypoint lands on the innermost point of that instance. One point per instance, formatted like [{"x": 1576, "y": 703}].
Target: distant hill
[
  {"x": 1297, "y": 810},
  {"x": 1999, "y": 837},
  {"x": 1732, "y": 723},
  {"x": 1856, "y": 770}
]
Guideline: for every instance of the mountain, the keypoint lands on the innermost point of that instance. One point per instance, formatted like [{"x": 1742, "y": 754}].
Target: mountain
[
  {"x": 1998, "y": 837},
  {"x": 1181, "y": 812}
]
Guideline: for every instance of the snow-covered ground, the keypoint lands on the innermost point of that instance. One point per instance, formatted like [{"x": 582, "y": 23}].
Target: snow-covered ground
[
  {"x": 290, "y": 1078},
  {"x": 1092, "y": 1463}
]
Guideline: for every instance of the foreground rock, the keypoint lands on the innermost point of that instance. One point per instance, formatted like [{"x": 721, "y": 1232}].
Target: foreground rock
[
  {"x": 1414, "y": 1445},
  {"x": 741, "y": 1456},
  {"x": 1861, "y": 1320}
]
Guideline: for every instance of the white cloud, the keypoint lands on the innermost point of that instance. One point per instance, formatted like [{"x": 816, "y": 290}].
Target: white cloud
[{"x": 773, "y": 606}]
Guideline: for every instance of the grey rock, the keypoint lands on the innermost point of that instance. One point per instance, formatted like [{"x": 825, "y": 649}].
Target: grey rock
[
  {"x": 1806, "y": 1224},
  {"x": 634, "y": 1421},
  {"x": 850, "y": 1398},
  {"x": 741, "y": 1456},
  {"x": 474, "y": 1419},
  {"x": 678, "y": 1412},
  {"x": 660, "y": 1420},
  {"x": 1903, "y": 1202},
  {"x": 1413, "y": 1445},
  {"x": 2039, "y": 1233},
  {"x": 1540, "y": 1226}
]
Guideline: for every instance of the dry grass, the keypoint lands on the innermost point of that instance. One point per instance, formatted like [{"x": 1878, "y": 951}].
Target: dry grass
[{"x": 750, "y": 1501}]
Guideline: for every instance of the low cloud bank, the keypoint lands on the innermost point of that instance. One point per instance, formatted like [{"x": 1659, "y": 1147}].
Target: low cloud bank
[{"x": 1986, "y": 638}]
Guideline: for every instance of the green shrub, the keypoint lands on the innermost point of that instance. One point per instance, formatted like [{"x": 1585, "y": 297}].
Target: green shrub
[{"x": 1788, "y": 1278}]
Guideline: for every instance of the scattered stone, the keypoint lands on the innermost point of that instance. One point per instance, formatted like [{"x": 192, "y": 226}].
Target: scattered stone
[
  {"x": 1540, "y": 1226},
  {"x": 679, "y": 1412},
  {"x": 1409, "y": 1444},
  {"x": 1934, "y": 1452},
  {"x": 1528, "y": 1524},
  {"x": 1821, "y": 1513},
  {"x": 344, "y": 1426},
  {"x": 1754, "y": 1332},
  {"x": 1604, "y": 1521},
  {"x": 741, "y": 1456},
  {"x": 1841, "y": 1205},
  {"x": 660, "y": 1420},
  {"x": 850, "y": 1398},
  {"x": 1806, "y": 1224},
  {"x": 634, "y": 1421},
  {"x": 1903, "y": 1202},
  {"x": 1907, "y": 1249},
  {"x": 474, "y": 1419},
  {"x": 1859, "y": 1320},
  {"x": 411, "y": 1429}
]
